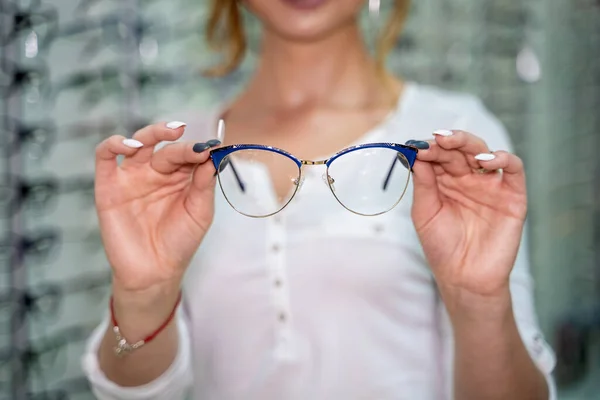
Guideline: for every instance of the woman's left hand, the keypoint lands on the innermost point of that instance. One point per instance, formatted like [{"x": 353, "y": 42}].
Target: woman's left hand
[{"x": 469, "y": 221}]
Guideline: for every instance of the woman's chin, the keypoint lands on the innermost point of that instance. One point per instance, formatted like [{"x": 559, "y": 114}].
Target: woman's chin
[
  {"x": 307, "y": 29},
  {"x": 305, "y": 20},
  {"x": 300, "y": 32}
]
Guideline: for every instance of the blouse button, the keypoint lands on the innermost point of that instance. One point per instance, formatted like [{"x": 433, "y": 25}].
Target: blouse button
[
  {"x": 378, "y": 228},
  {"x": 275, "y": 248},
  {"x": 282, "y": 317}
]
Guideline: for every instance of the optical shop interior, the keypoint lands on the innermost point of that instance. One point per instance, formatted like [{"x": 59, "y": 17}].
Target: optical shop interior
[{"x": 300, "y": 199}]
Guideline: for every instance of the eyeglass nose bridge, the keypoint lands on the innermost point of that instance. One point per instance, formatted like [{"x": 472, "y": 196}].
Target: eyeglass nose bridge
[
  {"x": 327, "y": 179},
  {"x": 310, "y": 162}
]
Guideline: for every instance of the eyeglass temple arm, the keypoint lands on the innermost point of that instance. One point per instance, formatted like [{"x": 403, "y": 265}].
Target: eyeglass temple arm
[
  {"x": 227, "y": 161},
  {"x": 224, "y": 165},
  {"x": 399, "y": 157}
]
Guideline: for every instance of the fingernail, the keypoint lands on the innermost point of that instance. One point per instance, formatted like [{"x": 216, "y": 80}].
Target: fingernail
[
  {"x": 443, "y": 132},
  {"x": 175, "y": 124},
  {"x": 485, "y": 157},
  {"x": 419, "y": 144},
  {"x": 213, "y": 142},
  {"x": 134, "y": 144},
  {"x": 200, "y": 147}
]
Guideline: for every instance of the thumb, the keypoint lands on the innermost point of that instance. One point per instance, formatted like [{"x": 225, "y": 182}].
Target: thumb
[
  {"x": 202, "y": 186},
  {"x": 426, "y": 196}
]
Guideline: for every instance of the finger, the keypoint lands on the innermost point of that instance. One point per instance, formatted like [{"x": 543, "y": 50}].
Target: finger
[
  {"x": 203, "y": 178},
  {"x": 452, "y": 161},
  {"x": 424, "y": 145},
  {"x": 152, "y": 135},
  {"x": 513, "y": 171},
  {"x": 204, "y": 175},
  {"x": 109, "y": 149},
  {"x": 174, "y": 156},
  {"x": 426, "y": 199},
  {"x": 465, "y": 142}
]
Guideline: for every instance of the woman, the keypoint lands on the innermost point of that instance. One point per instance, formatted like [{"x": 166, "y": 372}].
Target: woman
[{"x": 430, "y": 300}]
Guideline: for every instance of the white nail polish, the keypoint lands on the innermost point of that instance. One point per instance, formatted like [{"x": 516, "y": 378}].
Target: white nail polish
[
  {"x": 485, "y": 157},
  {"x": 175, "y": 124},
  {"x": 134, "y": 144},
  {"x": 443, "y": 132}
]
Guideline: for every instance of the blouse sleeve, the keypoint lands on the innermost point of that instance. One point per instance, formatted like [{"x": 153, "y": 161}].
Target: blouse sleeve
[
  {"x": 173, "y": 384},
  {"x": 479, "y": 121}
]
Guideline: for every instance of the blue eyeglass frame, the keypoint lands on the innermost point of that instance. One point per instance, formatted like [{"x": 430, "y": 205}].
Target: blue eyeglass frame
[{"x": 219, "y": 155}]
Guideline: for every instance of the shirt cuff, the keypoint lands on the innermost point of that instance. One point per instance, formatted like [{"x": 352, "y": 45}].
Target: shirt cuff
[
  {"x": 173, "y": 384},
  {"x": 544, "y": 358}
]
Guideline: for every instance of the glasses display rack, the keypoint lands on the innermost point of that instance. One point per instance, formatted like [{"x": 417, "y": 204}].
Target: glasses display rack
[{"x": 69, "y": 76}]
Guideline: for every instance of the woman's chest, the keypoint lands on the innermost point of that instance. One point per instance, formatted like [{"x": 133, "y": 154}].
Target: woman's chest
[{"x": 313, "y": 246}]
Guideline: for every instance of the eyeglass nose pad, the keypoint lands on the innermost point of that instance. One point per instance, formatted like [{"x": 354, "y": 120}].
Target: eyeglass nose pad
[
  {"x": 299, "y": 182},
  {"x": 328, "y": 180}
]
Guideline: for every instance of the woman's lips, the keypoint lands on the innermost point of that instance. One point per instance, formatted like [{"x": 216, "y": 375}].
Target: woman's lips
[{"x": 304, "y": 4}]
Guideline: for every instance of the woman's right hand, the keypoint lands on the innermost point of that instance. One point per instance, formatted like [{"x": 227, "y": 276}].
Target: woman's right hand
[{"x": 154, "y": 208}]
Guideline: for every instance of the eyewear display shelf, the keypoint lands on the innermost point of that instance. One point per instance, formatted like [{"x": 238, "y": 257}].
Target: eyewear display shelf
[{"x": 16, "y": 374}]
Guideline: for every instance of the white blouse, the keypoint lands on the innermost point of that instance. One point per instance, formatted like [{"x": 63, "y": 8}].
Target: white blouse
[{"x": 317, "y": 303}]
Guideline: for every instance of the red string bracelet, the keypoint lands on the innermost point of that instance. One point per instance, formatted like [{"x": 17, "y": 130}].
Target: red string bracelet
[{"x": 123, "y": 347}]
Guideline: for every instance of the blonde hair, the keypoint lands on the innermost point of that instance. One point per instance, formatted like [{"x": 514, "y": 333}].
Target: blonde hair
[{"x": 225, "y": 34}]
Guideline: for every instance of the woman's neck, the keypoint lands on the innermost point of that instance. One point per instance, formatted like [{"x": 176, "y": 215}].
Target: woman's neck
[{"x": 335, "y": 72}]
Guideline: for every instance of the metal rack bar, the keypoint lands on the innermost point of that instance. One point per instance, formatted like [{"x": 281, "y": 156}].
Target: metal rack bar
[{"x": 12, "y": 107}]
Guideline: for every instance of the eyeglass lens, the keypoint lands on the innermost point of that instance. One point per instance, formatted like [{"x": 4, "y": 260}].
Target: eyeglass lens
[
  {"x": 241, "y": 177},
  {"x": 369, "y": 181}
]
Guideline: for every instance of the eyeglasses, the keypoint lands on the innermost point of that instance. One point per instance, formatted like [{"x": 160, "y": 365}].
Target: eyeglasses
[
  {"x": 37, "y": 137},
  {"x": 363, "y": 179},
  {"x": 38, "y": 19},
  {"x": 507, "y": 14},
  {"x": 406, "y": 43},
  {"x": 40, "y": 246},
  {"x": 101, "y": 128},
  {"x": 46, "y": 300},
  {"x": 41, "y": 194},
  {"x": 31, "y": 80},
  {"x": 96, "y": 85},
  {"x": 110, "y": 31},
  {"x": 48, "y": 355}
]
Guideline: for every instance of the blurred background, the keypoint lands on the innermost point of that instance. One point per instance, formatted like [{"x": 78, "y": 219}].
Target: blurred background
[{"x": 76, "y": 71}]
